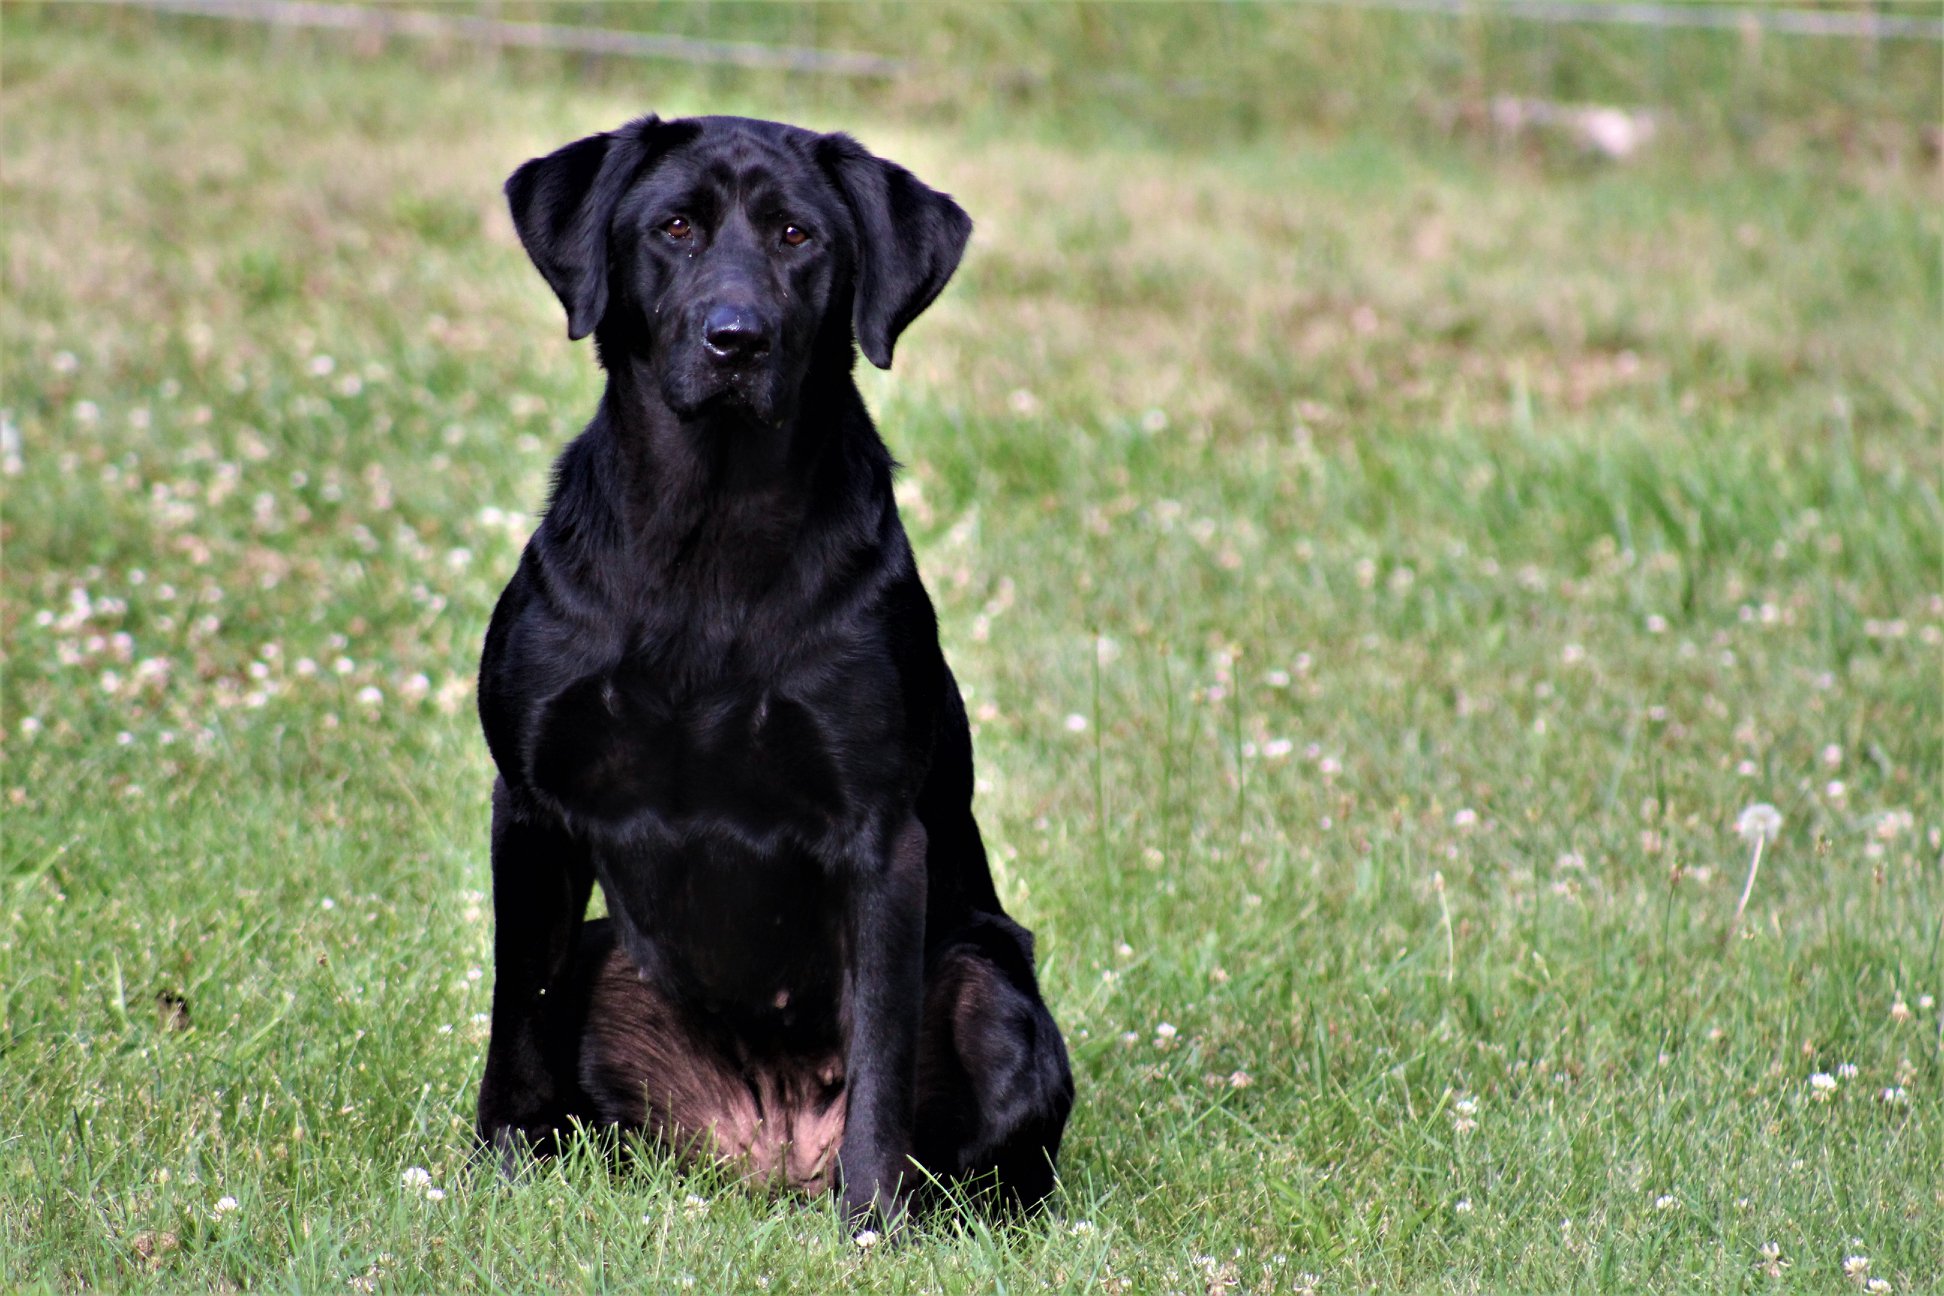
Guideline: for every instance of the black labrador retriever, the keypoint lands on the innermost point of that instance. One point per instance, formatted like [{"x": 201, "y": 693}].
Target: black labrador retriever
[{"x": 714, "y": 685}]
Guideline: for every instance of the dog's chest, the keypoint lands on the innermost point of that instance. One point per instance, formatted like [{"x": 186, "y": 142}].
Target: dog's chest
[{"x": 633, "y": 742}]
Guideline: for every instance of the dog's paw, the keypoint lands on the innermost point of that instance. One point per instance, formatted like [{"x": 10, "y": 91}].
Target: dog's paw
[
  {"x": 876, "y": 1219},
  {"x": 509, "y": 1151}
]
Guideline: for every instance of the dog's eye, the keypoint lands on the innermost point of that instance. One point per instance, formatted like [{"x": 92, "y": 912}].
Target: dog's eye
[
  {"x": 795, "y": 236},
  {"x": 679, "y": 228}
]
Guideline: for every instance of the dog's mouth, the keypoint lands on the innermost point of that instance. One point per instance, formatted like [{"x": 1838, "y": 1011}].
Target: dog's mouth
[{"x": 742, "y": 396}]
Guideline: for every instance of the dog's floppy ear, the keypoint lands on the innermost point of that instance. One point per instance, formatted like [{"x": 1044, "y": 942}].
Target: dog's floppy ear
[
  {"x": 562, "y": 204},
  {"x": 909, "y": 237}
]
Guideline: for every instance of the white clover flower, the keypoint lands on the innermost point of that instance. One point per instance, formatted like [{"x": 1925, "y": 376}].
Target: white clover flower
[
  {"x": 1892, "y": 824},
  {"x": 867, "y": 1238},
  {"x": 225, "y": 1205},
  {"x": 1165, "y": 1031},
  {"x": 1856, "y": 1266},
  {"x": 1076, "y": 723},
  {"x": 1666, "y": 1202},
  {"x": 1822, "y": 1086},
  {"x": 1465, "y": 818},
  {"x": 1462, "y": 1206},
  {"x": 1760, "y": 821},
  {"x": 1240, "y": 1080},
  {"x": 1846, "y": 1071},
  {"x": 416, "y": 1177}
]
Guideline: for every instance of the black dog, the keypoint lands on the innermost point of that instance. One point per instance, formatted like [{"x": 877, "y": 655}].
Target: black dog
[{"x": 714, "y": 685}]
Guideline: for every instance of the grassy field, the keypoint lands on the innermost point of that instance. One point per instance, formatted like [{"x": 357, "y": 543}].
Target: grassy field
[{"x": 1383, "y": 562}]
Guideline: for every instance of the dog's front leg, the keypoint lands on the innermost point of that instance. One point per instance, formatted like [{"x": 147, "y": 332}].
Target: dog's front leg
[
  {"x": 541, "y": 881},
  {"x": 885, "y": 994}
]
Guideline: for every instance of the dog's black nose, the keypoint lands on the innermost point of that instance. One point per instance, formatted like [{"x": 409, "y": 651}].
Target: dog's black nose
[{"x": 733, "y": 333}]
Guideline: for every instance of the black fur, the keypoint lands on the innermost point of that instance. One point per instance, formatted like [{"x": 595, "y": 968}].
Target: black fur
[{"x": 714, "y": 686}]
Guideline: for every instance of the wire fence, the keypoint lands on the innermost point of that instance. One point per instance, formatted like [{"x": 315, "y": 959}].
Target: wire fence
[
  {"x": 1868, "y": 24},
  {"x": 383, "y": 21}
]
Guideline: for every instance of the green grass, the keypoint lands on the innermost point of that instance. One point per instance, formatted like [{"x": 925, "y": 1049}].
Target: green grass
[{"x": 1439, "y": 545}]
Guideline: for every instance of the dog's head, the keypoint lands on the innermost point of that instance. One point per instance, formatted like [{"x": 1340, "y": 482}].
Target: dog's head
[{"x": 726, "y": 253}]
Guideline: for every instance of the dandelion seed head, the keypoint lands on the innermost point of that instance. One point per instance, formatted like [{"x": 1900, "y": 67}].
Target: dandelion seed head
[{"x": 1759, "y": 822}]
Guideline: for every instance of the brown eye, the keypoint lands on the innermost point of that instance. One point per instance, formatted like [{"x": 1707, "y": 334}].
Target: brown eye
[
  {"x": 679, "y": 228},
  {"x": 794, "y": 236}
]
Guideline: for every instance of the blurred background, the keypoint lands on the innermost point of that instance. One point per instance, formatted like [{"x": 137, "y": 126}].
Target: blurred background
[
  {"x": 1830, "y": 79},
  {"x": 1401, "y": 483}
]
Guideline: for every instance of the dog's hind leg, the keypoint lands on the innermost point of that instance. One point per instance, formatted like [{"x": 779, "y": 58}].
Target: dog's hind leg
[{"x": 994, "y": 1086}]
